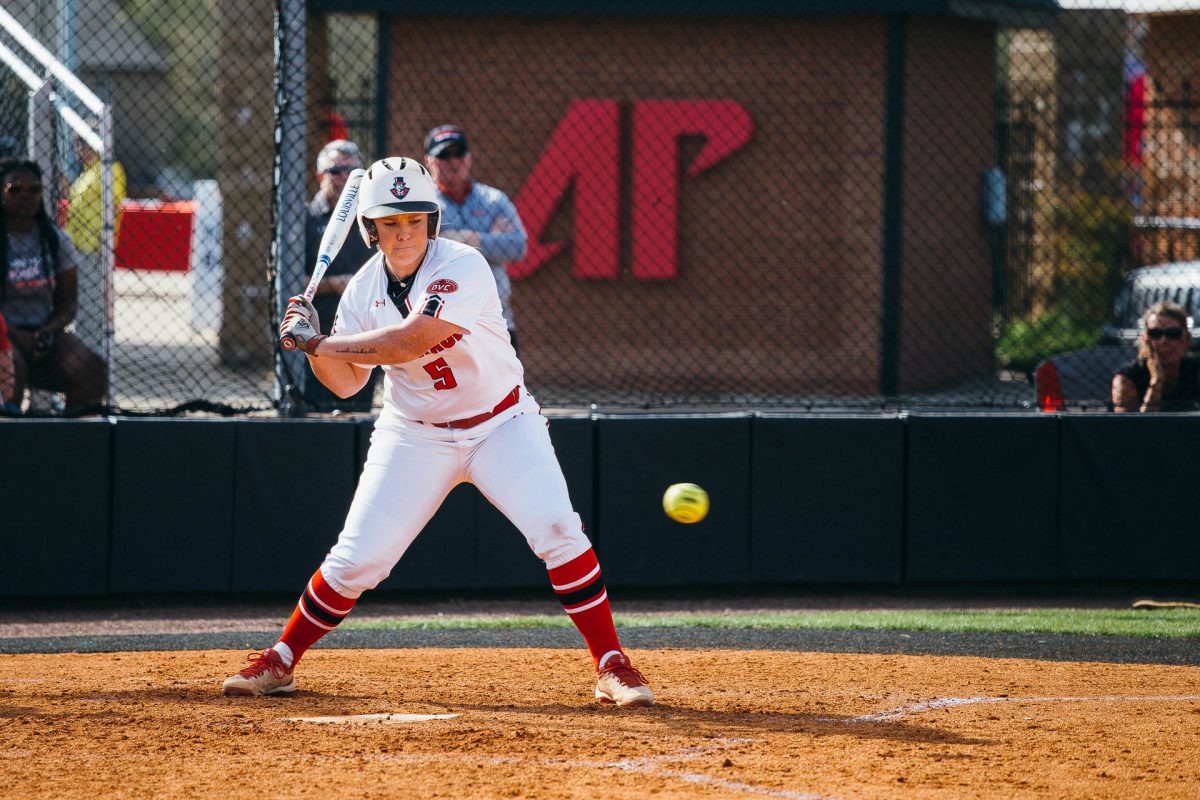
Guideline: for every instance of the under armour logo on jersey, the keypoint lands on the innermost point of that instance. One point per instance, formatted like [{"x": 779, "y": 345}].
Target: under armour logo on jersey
[
  {"x": 379, "y": 303},
  {"x": 399, "y": 188}
]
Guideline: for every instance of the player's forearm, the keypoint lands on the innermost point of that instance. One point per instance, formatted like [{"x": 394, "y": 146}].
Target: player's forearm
[{"x": 396, "y": 344}]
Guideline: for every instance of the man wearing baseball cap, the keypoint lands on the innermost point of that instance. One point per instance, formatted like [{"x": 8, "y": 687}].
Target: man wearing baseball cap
[{"x": 474, "y": 213}]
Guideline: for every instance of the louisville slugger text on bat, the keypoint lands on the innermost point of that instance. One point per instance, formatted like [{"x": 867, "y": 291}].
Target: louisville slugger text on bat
[{"x": 340, "y": 223}]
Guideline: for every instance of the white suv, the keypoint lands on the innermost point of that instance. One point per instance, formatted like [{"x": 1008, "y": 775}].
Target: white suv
[{"x": 1178, "y": 283}]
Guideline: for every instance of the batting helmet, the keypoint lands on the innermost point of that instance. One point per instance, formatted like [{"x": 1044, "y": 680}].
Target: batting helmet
[{"x": 396, "y": 185}]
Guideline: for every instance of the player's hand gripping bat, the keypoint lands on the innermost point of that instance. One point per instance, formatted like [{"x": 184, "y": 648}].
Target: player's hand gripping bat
[{"x": 339, "y": 226}]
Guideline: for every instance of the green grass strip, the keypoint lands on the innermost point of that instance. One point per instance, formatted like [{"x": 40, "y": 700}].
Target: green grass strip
[{"x": 1168, "y": 623}]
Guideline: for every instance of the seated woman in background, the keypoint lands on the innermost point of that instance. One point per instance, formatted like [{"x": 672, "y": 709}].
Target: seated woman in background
[
  {"x": 1164, "y": 377},
  {"x": 38, "y": 295}
]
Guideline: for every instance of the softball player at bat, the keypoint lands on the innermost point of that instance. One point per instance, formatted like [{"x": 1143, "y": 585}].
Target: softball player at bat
[{"x": 455, "y": 409}]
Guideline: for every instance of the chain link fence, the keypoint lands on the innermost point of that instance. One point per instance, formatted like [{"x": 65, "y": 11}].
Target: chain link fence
[{"x": 808, "y": 209}]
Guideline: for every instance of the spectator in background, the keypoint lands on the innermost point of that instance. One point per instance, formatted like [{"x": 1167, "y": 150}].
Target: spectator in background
[
  {"x": 335, "y": 161},
  {"x": 38, "y": 295},
  {"x": 474, "y": 213},
  {"x": 85, "y": 227},
  {"x": 8, "y": 374},
  {"x": 1164, "y": 377}
]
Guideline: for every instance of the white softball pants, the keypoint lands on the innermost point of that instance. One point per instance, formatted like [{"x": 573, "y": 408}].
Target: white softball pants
[{"x": 408, "y": 475}]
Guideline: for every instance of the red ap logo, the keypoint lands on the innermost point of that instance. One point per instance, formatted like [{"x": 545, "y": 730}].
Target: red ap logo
[
  {"x": 583, "y": 157},
  {"x": 399, "y": 188},
  {"x": 442, "y": 286}
]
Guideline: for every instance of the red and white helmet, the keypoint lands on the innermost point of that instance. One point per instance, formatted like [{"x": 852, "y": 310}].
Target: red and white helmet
[{"x": 397, "y": 185}]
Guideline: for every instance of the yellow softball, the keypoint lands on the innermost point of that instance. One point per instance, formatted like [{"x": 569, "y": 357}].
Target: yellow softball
[{"x": 685, "y": 502}]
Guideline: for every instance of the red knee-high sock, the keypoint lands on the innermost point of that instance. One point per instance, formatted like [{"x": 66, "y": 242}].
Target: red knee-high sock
[
  {"x": 318, "y": 611},
  {"x": 580, "y": 589}
]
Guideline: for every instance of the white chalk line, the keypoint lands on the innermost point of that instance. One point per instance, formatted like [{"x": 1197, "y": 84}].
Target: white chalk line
[
  {"x": 385, "y": 719},
  {"x": 947, "y": 702},
  {"x": 721, "y": 783},
  {"x": 648, "y": 765}
]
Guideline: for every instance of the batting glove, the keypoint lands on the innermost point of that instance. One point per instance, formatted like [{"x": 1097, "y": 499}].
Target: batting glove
[
  {"x": 302, "y": 307},
  {"x": 302, "y": 323}
]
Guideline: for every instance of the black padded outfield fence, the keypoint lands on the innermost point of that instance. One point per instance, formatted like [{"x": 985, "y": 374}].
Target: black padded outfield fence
[{"x": 867, "y": 206}]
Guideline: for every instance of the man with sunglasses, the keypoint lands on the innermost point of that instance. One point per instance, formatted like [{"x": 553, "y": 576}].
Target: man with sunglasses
[
  {"x": 474, "y": 213},
  {"x": 335, "y": 161},
  {"x": 1164, "y": 377}
]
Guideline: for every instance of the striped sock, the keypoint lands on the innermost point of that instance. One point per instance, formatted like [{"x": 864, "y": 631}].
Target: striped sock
[
  {"x": 319, "y": 611},
  {"x": 580, "y": 589}
]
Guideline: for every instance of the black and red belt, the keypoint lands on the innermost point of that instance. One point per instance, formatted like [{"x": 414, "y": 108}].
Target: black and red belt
[{"x": 508, "y": 402}]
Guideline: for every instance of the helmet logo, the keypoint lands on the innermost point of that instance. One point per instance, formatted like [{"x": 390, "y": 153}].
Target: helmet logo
[{"x": 399, "y": 188}]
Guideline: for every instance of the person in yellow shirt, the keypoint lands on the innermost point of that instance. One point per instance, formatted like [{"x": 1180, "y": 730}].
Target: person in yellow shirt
[{"x": 85, "y": 227}]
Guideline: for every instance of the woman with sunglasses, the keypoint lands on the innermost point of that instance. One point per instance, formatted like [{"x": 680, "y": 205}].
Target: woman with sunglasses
[
  {"x": 39, "y": 295},
  {"x": 1164, "y": 377}
]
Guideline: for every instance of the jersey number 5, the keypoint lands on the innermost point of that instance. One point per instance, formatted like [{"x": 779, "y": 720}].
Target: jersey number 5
[{"x": 443, "y": 377}]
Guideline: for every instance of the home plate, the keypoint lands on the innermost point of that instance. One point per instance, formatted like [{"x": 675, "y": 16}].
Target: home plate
[{"x": 384, "y": 718}]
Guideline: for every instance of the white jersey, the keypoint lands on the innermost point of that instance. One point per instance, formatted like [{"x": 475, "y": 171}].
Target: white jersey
[{"x": 465, "y": 375}]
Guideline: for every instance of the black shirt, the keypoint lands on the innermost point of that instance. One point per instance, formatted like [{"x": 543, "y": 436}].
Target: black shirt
[{"x": 1186, "y": 394}]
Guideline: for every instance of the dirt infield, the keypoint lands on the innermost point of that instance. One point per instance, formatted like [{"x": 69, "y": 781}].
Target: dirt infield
[{"x": 730, "y": 724}]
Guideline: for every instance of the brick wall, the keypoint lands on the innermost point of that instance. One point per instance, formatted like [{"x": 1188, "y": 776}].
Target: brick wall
[
  {"x": 780, "y": 243},
  {"x": 946, "y": 285}
]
